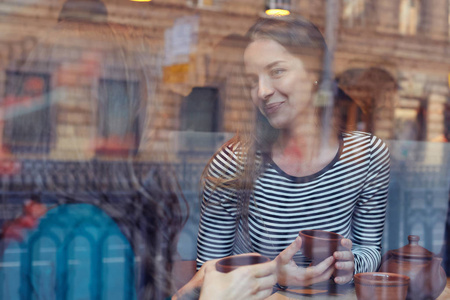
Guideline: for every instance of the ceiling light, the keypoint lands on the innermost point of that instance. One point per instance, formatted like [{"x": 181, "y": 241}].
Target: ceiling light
[{"x": 278, "y": 7}]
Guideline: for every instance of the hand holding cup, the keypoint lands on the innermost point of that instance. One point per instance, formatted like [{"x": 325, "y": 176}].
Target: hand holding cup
[
  {"x": 318, "y": 245},
  {"x": 246, "y": 276}
]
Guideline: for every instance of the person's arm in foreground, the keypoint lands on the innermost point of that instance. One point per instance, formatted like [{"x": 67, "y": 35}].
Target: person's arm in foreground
[{"x": 248, "y": 282}]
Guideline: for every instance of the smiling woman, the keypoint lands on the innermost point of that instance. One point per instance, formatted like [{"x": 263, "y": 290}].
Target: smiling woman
[
  {"x": 261, "y": 189},
  {"x": 280, "y": 85}
]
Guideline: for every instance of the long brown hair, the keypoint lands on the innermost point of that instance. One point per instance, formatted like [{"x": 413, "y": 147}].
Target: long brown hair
[{"x": 251, "y": 147}]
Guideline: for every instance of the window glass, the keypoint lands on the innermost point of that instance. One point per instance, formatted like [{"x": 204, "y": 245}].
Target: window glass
[
  {"x": 118, "y": 115},
  {"x": 28, "y": 126},
  {"x": 141, "y": 138}
]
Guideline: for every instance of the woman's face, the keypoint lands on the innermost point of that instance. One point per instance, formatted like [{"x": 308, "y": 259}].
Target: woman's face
[{"x": 280, "y": 85}]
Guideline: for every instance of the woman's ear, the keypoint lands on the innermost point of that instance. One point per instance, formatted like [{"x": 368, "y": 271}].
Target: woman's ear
[
  {"x": 316, "y": 86},
  {"x": 316, "y": 83},
  {"x": 316, "y": 76}
]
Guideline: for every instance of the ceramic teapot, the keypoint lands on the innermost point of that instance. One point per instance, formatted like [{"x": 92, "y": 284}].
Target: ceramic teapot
[{"x": 427, "y": 277}]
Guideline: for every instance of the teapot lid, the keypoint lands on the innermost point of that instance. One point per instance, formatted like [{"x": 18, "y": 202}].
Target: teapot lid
[{"x": 413, "y": 250}]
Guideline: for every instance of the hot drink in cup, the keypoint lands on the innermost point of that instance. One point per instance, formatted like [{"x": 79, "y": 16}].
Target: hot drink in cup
[
  {"x": 318, "y": 245},
  {"x": 380, "y": 286},
  {"x": 230, "y": 263}
]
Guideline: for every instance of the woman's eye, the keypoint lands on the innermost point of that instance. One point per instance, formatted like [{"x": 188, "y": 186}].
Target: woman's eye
[{"x": 277, "y": 72}]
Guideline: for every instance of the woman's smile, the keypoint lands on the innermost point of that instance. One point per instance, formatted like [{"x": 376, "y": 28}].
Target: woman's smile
[{"x": 272, "y": 107}]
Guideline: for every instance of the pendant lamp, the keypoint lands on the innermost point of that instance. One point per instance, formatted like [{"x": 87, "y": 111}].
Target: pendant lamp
[{"x": 278, "y": 7}]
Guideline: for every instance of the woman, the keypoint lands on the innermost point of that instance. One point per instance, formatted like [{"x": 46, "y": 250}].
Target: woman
[{"x": 261, "y": 189}]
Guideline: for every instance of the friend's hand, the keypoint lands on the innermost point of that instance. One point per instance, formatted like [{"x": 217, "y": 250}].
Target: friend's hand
[
  {"x": 345, "y": 263},
  {"x": 252, "y": 282},
  {"x": 291, "y": 274}
]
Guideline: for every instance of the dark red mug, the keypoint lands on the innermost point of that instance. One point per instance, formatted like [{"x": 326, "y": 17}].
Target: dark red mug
[
  {"x": 380, "y": 286},
  {"x": 317, "y": 245},
  {"x": 230, "y": 263}
]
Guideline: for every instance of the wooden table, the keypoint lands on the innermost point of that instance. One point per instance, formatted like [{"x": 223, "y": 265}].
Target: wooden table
[
  {"x": 322, "y": 291},
  {"x": 322, "y": 294},
  {"x": 446, "y": 293},
  {"x": 184, "y": 270}
]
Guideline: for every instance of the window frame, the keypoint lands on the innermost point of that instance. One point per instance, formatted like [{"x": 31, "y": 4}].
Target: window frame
[
  {"x": 44, "y": 144},
  {"x": 107, "y": 143}
]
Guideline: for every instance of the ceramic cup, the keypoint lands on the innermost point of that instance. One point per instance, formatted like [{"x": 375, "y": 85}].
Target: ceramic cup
[
  {"x": 380, "y": 286},
  {"x": 317, "y": 245},
  {"x": 230, "y": 263}
]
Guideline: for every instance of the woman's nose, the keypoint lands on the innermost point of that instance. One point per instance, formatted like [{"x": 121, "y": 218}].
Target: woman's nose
[{"x": 265, "y": 89}]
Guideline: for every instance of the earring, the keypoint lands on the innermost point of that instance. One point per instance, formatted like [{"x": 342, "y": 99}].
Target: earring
[{"x": 316, "y": 82}]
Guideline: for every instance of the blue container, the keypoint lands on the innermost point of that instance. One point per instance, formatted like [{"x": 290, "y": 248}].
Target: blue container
[{"x": 76, "y": 252}]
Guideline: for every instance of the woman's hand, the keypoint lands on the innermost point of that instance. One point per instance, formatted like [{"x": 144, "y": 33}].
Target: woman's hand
[
  {"x": 345, "y": 263},
  {"x": 248, "y": 282},
  {"x": 291, "y": 274}
]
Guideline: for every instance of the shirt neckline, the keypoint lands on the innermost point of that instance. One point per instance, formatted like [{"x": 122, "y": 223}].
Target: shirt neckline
[{"x": 313, "y": 176}]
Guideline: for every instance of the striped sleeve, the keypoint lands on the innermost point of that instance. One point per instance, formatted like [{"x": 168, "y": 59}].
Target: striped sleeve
[
  {"x": 370, "y": 210},
  {"x": 217, "y": 229}
]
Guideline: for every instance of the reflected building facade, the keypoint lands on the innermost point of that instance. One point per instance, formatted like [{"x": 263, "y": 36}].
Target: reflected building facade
[{"x": 391, "y": 59}]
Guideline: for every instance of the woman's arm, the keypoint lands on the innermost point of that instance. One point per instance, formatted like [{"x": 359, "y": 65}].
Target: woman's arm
[
  {"x": 370, "y": 211},
  {"x": 218, "y": 224}
]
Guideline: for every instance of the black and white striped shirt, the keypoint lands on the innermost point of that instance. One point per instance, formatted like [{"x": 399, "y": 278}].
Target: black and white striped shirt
[{"x": 348, "y": 196}]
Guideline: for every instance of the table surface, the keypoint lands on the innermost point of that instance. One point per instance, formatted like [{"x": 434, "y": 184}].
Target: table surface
[
  {"x": 321, "y": 293},
  {"x": 184, "y": 270}
]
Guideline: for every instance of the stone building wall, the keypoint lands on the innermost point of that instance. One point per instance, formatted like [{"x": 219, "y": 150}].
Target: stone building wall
[{"x": 418, "y": 64}]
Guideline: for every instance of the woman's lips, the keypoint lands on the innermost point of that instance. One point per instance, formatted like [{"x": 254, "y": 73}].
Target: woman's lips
[{"x": 272, "y": 107}]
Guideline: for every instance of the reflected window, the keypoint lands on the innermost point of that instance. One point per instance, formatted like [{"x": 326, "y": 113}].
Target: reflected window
[
  {"x": 372, "y": 92},
  {"x": 118, "y": 116},
  {"x": 409, "y": 18},
  {"x": 27, "y": 122},
  {"x": 411, "y": 120},
  {"x": 199, "y": 110},
  {"x": 353, "y": 12}
]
